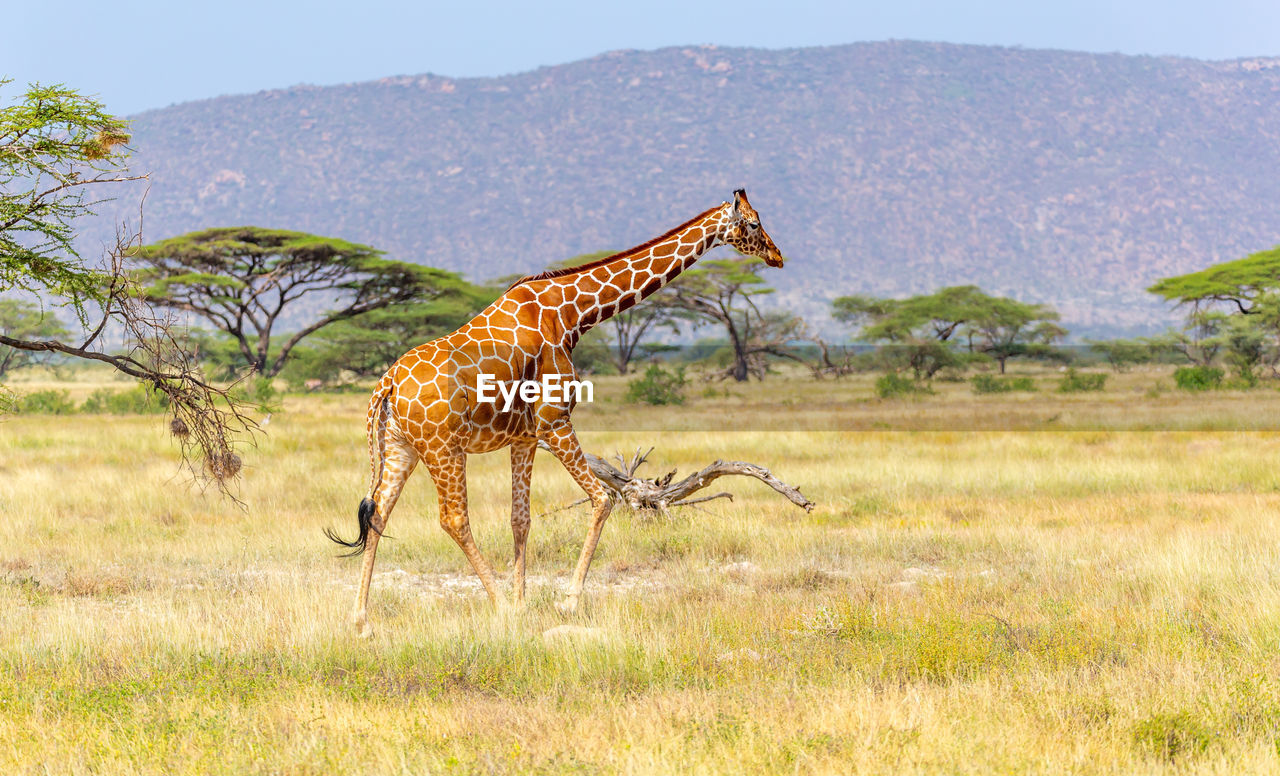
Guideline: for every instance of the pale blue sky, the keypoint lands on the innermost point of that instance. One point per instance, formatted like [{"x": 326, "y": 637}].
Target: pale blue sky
[{"x": 142, "y": 54}]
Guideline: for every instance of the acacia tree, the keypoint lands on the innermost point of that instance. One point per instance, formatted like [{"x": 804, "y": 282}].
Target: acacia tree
[
  {"x": 938, "y": 315},
  {"x": 1199, "y": 340},
  {"x": 243, "y": 279},
  {"x": 1123, "y": 353},
  {"x": 56, "y": 147},
  {"x": 1240, "y": 284},
  {"x": 1248, "y": 287},
  {"x": 25, "y": 321},
  {"x": 723, "y": 292},
  {"x": 1004, "y": 328},
  {"x": 921, "y": 330},
  {"x": 630, "y": 329},
  {"x": 775, "y": 335},
  {"x": 917, "y": 330},
  {"x": 367, "y": 344},
  {"x": 1250, "y": 342}
]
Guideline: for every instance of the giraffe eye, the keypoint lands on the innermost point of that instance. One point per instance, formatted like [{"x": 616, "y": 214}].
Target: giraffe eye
[{"x": 753, "y": 225}]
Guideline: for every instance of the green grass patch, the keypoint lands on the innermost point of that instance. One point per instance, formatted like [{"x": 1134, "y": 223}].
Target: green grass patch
[{"x": 992, "y": 384}]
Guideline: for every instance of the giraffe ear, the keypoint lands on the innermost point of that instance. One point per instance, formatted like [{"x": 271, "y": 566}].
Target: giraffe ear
[{"x": 739, "y": 196}]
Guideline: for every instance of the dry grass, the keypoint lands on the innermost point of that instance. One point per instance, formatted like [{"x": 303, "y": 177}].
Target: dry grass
[
  {"x": 1143, "y": 399},
  {"x": 960, "y": 602}
]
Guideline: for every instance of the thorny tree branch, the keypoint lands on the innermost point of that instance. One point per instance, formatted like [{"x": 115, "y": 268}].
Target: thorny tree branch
[{"x": 208, "y": 420}]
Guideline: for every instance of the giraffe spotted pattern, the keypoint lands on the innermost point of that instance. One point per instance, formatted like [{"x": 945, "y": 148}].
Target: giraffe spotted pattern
[{"x": 425, "y": 409}]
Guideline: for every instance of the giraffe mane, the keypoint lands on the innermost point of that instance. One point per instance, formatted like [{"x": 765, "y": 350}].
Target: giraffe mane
[{"x": 559, "y": 273}]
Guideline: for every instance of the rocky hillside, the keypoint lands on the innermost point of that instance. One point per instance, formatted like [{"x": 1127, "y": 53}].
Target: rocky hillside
[{"x": 884, "y": 168}]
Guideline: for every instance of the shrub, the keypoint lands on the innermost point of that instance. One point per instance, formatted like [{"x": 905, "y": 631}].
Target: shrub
[
  {"x": 134, "y": 401},
  {"x": 1170, "y": 736},
  {"x": 46, "y": 403},
  {"x": 1077, "y": 382},
  {"x": 658, "y": 386},
  {"x": 1198, "y": 378},
  {"x": 260, "y": 391},
  {"x": 993, "y": 384},
  {"x": 1122, "y": 353},
  {"x": 893, "y": 385},
  {"x": 989, "y": 384}
]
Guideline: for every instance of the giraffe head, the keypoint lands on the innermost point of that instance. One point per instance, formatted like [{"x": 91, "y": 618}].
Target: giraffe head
[{"x": 744, "y": 231}]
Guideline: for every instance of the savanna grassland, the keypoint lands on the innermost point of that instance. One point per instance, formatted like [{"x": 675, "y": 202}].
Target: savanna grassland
[{"x": 1030, "y": 584}]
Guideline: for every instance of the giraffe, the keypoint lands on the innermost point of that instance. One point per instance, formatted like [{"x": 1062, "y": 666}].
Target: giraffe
[{"x": 425, "y": 408}]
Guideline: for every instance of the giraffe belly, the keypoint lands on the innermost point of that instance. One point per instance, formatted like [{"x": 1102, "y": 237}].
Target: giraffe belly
[{"x": 496, "y": 430}]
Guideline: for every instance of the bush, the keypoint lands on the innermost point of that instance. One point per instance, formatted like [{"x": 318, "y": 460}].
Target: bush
[
  {"x": 993, "y": 384},
  {"x": 893, "y": 385},
  {"x": 46, "y": 403},
  {"x": 1123, "y": 353},
  {"x": 1198, "y": 378},
  {"x": 949, "y": 375},
  {"x": 1078, "y": 382},
  {"x": 1171, "y": 736},
  {"x": 1240, "y": 383},
  {"x": 134, "y": 401},
  {"x": 658, "y": 386},
  {"x": 260, "y": 391}
]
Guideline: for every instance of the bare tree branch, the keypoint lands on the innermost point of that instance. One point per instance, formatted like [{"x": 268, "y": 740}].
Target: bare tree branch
[
  {"x": 208, "y": 421},
  {"x": 661, "y": 493}
]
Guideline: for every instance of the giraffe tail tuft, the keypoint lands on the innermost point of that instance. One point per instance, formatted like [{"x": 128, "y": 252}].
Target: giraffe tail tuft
[
  {"x": 364, "y": 516},
  {"x": 379, "y": 407}
]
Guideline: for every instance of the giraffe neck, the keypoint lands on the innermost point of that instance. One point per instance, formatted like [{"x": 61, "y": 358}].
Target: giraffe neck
[{"x": 620, "y": 283}]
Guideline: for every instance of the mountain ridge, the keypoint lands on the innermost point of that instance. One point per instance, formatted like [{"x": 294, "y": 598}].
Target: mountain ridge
[{"x": 880, "y": 168}]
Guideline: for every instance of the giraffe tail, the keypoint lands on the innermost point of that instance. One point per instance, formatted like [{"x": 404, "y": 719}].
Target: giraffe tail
[{"x": 379, "y": 406}]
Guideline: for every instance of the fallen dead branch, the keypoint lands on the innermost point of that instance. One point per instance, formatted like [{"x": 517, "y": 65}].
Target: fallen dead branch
[{"x": 662, "y": 493}]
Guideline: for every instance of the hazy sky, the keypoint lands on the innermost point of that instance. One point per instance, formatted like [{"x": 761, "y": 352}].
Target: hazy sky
[{"x": 141, "y": 54}]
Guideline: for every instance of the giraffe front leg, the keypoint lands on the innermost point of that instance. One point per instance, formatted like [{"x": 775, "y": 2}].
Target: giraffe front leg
[
  {"x": 521, "y": 472},
  {"x": 397, "y": 466},
  {"x": 564, "y": 443}
]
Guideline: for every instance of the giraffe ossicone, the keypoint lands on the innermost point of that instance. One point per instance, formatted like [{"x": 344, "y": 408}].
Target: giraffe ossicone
[{"x": 425, "y": 408}]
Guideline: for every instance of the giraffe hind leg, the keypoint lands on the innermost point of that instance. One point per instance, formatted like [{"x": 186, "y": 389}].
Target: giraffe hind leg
[
  {"x": 399, "y": 464},
  {"x": 449, "y": 471},
  {"x": 521, "y": 470}
]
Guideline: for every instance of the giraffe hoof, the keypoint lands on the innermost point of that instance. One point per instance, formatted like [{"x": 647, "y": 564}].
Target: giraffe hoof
[
  {"x": 363, "y": 629},
  {"x": 567, "y": 606}
]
